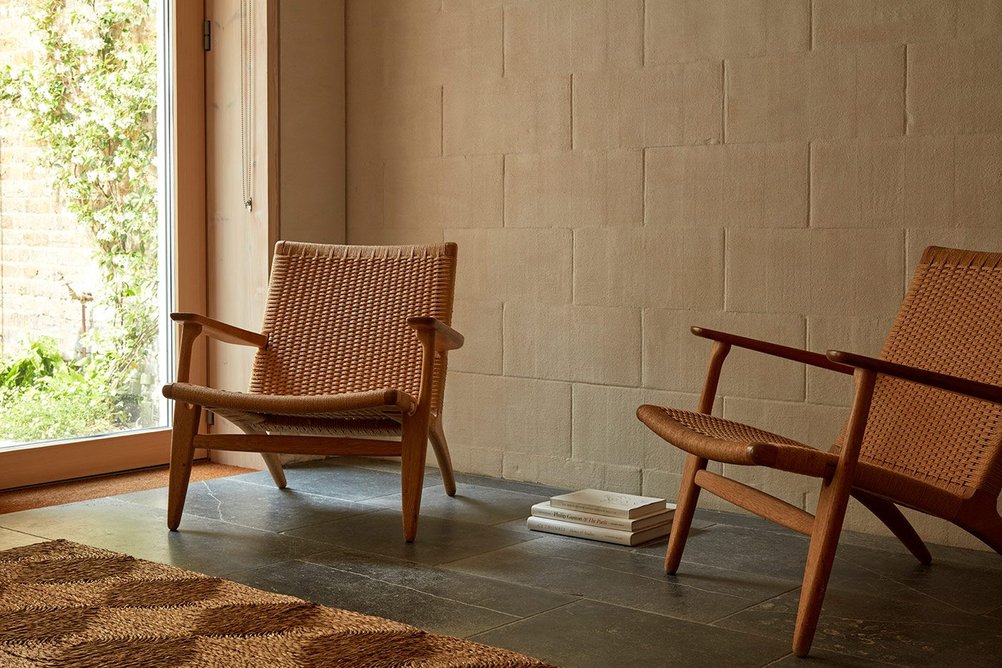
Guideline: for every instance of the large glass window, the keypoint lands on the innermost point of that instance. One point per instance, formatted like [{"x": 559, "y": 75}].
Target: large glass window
[{"x": 87, "y": 211}]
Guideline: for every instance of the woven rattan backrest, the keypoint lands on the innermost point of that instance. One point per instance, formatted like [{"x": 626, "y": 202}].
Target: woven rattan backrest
[
  {"x": 951, "y": 322},
  {"x": 336, "y": 317}
]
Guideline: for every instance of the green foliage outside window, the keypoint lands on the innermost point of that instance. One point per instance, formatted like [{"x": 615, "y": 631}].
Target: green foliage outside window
[
  {"x": 47, "y": 397},
  {"x": 89, "y": 101}
]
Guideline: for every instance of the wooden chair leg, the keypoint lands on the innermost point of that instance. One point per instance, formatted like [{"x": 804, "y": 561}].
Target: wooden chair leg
[
  {"x": 828, "y": 520},
  {"x": 895, "y": 520},
  {"x": 979, "y": 515},
  {"x": 820, "y": 557},
  {"x": 274, "y": 464},
  {"x": 414, "y": 450},
  {"x": 186, "y": 417},
  {"x": 441, "y": 447},
  {"x": 688, "y": 495},
  {"x": 990, "y": 533}
]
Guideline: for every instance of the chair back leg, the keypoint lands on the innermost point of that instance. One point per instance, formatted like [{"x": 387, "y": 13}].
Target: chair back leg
[
  {"x": 274, "y": 463},
  {"x": 980, "y": 516},
  {"x": 685, "y": 507},
  {"x": 441, "y": 447},
  {"x": 186, "y": 417},
  {"x": 895, "y": 520}
]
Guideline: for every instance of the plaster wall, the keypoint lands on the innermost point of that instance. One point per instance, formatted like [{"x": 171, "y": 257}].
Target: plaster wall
[{"x": 615, "y": 171}]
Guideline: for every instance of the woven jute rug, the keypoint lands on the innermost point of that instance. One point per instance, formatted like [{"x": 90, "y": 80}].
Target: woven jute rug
[{"x": 65, "y": 604}]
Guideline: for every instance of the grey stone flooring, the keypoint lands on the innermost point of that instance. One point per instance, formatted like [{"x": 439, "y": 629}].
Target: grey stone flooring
[{"x": 334, "y": 537}]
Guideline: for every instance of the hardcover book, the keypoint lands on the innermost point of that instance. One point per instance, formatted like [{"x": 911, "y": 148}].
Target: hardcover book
[
  {"x": 546, "y": 509},
  {"x": 603, "y": 534},
  {"x": 611, "y": 504}
]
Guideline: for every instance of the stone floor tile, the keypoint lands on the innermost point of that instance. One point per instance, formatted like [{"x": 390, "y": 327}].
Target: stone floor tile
[
  {"x": 529, "y": 565},
  {"x": 825, "y": 659},
  {"x": 876, "y": 628},
  {"x": 207, "y": 546},
  {"x": 632, "y": 561},
  {"x": 438, "y": 540},
  {"x": 341, "y": 479},
  {"x": 479, "y": 505},
  {"x": 971, "y": 588},
  {"x": 342, "y": 589},
  {"x": 512, "y": 599},
  {"x": 982, "y": 558},
  {"x": 262, "y": 507},
  {"x": 785, "y": 556},
  {"x": 590, "y": 634}
]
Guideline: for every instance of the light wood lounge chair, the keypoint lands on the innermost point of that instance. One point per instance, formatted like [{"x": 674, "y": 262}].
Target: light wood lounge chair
[
  {"x": 352, "y": 353},
  {"x": 924, "y": 431}
]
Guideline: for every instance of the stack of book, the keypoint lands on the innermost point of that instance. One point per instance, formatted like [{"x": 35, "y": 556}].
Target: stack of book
[{"x": 624, "y": 519}]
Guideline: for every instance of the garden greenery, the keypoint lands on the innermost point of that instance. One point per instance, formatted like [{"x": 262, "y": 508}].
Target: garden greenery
[
  {"x": 89, "y": 101},
  {"x": 47, "y": 397}
]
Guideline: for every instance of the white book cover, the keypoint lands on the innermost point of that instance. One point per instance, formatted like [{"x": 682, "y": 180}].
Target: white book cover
[
  {"x": 603, "y": 534},
  {"x": 546, "y": 509},
  {"x": 612, "y": 504}
]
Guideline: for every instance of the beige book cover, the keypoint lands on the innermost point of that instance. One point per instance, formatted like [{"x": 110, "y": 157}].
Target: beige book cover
[{"x": 613, "y": 504}]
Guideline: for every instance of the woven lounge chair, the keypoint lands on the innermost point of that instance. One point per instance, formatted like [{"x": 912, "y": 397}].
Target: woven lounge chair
[
  {"x": 351, "y": 360},
  {"x": 924, "y": 431}
]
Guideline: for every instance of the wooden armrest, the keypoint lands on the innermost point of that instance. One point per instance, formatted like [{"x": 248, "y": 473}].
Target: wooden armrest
[
  {"x": 943, "y": 381},
  {"x": 446, "y": 338},
  {"x": 774, "y": 349},
  {"x": 221, "y": 331}
]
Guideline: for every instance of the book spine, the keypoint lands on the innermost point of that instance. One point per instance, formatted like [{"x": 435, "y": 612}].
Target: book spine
[
  {"x": 546, "y": 509},
  {"x": 579, "y": 517},
  {"x": 579, "y": 530}
]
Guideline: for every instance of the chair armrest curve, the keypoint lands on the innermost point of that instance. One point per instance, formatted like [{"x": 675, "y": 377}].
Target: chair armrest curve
[
  {"x": 774, "y": 349},
  {"x": 221, "y": 330},
  {"x": 446, "y": 338},
  {"x": 943, "y": 381}
]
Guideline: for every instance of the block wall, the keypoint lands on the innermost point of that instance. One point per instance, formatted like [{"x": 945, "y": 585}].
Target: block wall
[{"x": 615, "y": 171}]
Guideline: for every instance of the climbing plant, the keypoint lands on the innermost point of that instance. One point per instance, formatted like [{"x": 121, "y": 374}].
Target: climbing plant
[{"x": 88, "y": 99}]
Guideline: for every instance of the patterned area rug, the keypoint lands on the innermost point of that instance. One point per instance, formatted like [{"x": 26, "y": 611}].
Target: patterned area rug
[{"x": 65, "y": 604}]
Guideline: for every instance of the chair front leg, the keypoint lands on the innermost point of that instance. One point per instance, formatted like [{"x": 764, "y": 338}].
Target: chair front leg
[
  {"x": 413, "y": 453},
  {"x": 820, "y": 557},
  {"x": 828, "y": 519},
  {"x": 688, "y": 495},
  {"x": 182, "y": 450},
  {"x": 414, "y": 440}
]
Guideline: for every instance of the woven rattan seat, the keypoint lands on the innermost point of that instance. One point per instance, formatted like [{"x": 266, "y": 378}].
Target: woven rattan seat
[
  {"x": 353, "y": 350},
  {"x": 924, "y": 432},
  {"x": 735, "y": 443}
]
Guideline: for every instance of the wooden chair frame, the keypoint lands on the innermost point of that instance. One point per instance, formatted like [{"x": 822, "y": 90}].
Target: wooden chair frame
[
  {"x": 841, "y": 472},
  {"x": 417, "y": 426}
]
